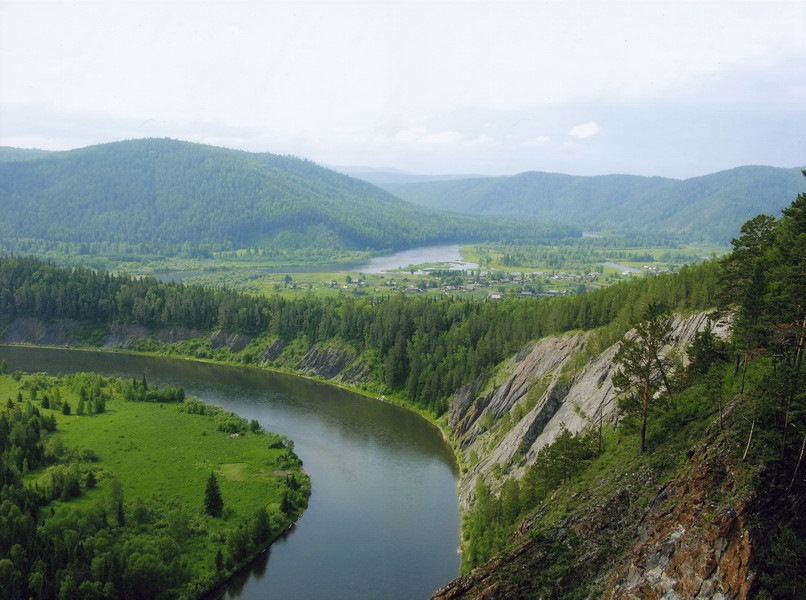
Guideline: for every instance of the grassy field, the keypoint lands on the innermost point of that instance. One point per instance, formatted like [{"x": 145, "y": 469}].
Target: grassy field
[
  {"x": 163, "y": 455},
  {"x": 160, "y": 455},
  {"x": 567, "y": 267}
]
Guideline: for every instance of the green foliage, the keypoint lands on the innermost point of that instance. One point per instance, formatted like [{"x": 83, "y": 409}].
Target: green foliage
[
  {"x": 643, "y": 371},
  {"x": 488, "y": 525},
  {"x": 153, "y": 198},
  {"x": 705, "y": 350},
  {"x": 586, "y": 256},
  {"x": 74, "y": 523},
  {"x": 702, "y": 208},
  {"x": 213, "y": 502}
]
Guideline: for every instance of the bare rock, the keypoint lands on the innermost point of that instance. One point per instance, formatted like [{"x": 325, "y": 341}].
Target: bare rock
[{"x": 327, "y": 362}]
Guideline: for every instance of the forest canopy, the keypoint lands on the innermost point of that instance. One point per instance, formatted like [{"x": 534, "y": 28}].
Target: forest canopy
[
  {"x": 425, "y": 348},
  {"x": 170, "y": 198}
]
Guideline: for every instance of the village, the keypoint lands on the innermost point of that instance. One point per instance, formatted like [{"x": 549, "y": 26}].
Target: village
[{"x": 490, "y": 284}]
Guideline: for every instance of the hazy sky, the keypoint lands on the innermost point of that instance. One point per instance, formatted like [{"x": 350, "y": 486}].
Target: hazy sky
[{"x": 492, "y": 87}]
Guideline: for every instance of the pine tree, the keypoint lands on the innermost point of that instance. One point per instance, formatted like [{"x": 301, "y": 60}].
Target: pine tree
[
  {"x": 213, "y": 502},
  {"x": 642, "y": 371}
]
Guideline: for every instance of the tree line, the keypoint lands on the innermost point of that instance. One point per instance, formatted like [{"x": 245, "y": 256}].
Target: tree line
[{"x": 421, "y": 348}]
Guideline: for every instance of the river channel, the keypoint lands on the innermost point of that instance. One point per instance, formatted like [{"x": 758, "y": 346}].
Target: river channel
[
  {"x": 447, "y": 256},
  {"x": 383, "y": 518}
]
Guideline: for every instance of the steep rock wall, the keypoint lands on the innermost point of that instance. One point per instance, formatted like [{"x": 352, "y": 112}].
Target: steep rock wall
[
  {"x": 690, "y": 543},
  {"x": 692, "y": 540},
  {"x": 496, "y": 428}
]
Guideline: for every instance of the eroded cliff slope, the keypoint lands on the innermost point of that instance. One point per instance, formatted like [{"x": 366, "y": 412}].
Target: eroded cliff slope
[
  {"x": 649, "y": 529},
  {"x": 552, "y": 385}
]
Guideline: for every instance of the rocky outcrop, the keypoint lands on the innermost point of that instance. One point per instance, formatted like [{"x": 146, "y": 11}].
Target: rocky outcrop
[
  {"x": 690, "y": 540},
  {"x": 327, "y": 362},
  {"x": 29, "y": 330},
  {"x": 691, "y": 543},
  {"x": 273, "y": 351},
  {"x": 234, "y": 341},
  {"x": 124, "y": 336},
  {"x": 503, "y": 427},
  {"x": 338, "y": 363}
]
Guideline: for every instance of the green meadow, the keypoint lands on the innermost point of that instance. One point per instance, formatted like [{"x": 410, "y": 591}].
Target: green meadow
[
  {"x": 162, "y": 454},
  {"x": 138, "y": 471}
]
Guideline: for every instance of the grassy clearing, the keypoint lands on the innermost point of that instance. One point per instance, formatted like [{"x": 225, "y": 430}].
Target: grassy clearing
[{"x": 164, "y": 455}]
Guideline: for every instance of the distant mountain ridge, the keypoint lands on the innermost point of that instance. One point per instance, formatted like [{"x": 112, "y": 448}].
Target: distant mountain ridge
[
  {"x": 381, "y": 176},
  {"x": 165, "y": 196},
  {"x": 708, "y": 208},
  {"x": 9, "y": 154}
]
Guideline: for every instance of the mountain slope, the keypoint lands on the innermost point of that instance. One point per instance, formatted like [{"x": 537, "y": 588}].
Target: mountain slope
[
  {"x": 158, "y": 196},
  {"x": 8, "y": 154},
  {"x": 710, "y": 208}
]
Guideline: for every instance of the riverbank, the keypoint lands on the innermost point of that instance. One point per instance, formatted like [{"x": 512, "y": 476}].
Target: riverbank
[
  {"x": 379, "y": 473},
  {"x": 128, "y": 464},
  {"x": 174, "y": 343}
]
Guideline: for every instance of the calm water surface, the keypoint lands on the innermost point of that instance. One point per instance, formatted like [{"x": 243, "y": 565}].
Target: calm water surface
[
  {"x": 383, "y": 520},
  {"x": 448, "y": 254}
]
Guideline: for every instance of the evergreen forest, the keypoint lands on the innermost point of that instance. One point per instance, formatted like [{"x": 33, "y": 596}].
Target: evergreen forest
[
  {"x": 423, "y": 348},
  {"x": 161, "y": 198},
  {"x": 747, "y": 391}
]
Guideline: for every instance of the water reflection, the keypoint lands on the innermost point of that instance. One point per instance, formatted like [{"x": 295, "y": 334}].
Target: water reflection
[{"x": 382, "y": 521}]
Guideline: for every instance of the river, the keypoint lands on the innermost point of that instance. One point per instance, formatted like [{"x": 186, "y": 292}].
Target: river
[
  {"x": 625, "y": 270},
  {"x": 448, "y": 256},
  {"x": 383, "y": 517}
]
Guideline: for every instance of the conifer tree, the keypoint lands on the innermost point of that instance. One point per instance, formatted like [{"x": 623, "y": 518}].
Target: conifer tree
[
  {"x": 213, "y": 502},
  {"x": 642, "y": 371}
]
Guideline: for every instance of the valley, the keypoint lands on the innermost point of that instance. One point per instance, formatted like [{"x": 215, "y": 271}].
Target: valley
[{"x": 572, "y": 482}]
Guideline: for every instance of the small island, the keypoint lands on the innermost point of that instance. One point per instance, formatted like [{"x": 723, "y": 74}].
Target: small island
[{"x": 115, "y": 488}]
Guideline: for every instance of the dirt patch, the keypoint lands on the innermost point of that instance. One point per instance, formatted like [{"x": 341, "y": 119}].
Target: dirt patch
[{"x": 233, "y": 471}]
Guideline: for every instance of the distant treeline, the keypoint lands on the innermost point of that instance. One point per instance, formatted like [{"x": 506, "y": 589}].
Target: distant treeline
[
  {"x": 708, "y": 208},
  {"x": 425, "y": 348}
]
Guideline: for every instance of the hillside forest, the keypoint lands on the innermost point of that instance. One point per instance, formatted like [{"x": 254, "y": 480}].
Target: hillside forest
[
  {"x": 166, "y": 198},
  {"x": 737, "y": 404},
  {"x": 421, "y": 350}
]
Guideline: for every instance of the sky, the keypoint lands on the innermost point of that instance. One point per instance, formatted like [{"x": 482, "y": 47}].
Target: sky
[{"x": 493, "y": 87}]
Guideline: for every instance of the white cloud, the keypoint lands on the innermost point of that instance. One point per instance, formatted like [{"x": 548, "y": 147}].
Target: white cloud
[
  {"x": 398, "y": 80},
  {"x": 585, "y": 130}
]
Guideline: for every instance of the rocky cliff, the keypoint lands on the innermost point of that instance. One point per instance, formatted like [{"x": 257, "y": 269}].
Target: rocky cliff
[
  {"x": 645, "y": 533},
  {"x": 537, "y": 394},
  {"x": 645, "y": 538}
]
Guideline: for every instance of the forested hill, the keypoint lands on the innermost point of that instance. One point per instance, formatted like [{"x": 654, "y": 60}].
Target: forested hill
[
  {"x": 8, "y": 154},
  {"x": 708, "y": 208},
  {"x": 165, "y": 197}
]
